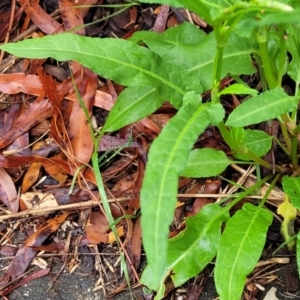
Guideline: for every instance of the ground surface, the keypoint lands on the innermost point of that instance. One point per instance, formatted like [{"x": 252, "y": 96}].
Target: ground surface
[{"x": 122, "y": 181}]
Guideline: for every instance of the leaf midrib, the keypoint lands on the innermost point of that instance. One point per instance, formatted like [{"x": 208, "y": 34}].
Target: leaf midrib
[
  {"x": 172, "y": 154},
  {"x": 132, "y": 66}
]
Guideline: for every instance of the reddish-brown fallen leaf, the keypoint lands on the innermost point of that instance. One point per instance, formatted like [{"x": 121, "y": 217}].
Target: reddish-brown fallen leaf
[
  {"x": 19, "y": 82},
  {"x": 211, "y": 187},
  {"x": 57, "y": 170},
  {"x": 8, "y": 192},
  {"x": 40, "y": 18},
  {"x": 31, "y": 176},
  {"x": 116, "y": 167},
  {"x": 124, "y": 185},
  {"x": 79, "y": 129},
  {"x": 149, "y": 128},
  {"x": 33, "y": 172},
  {"x": 87, "y": 3},
  {"x": 109, "y": 142},
  {"x": 96, "y": 228},
  {"x": 25, "y": 280},
  {"x": 11, "y": 115},
  {"x": 5, "y": 16},
  {"x": 137, "y": 243},
  {"x": 25, "y": 254},
  {"x": 161, "y": 19},
  {"x": 31, "y": 85},
  {"x": 71, "y": 15},
  {"x": 37, "y": 112}
]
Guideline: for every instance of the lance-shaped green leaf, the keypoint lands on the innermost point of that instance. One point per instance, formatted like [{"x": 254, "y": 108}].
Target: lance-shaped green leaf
[
  {"x": 263, "y": 107},
  {"x": 191, "y": 250},
  {"x": 291, "y": 186},
  {"x": 198, "y": 58},
  {"x": 205, "y": 163},
  {"x": 167, "y": 158},
  {"x": 120, "y": 60},
  {"x": 237, "y": 88},
  {"x": 240, "y": 248},
  {"x": 132, "y": 105}
]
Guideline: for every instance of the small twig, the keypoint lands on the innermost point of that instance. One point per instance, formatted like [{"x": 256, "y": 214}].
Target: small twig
[{"x": 79, "y": 205}]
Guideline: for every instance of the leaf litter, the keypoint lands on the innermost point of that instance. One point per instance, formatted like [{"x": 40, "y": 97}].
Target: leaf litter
[{"x": 46, "y": 143}]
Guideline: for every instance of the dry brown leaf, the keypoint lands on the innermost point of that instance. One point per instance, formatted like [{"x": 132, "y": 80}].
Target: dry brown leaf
[
  {"x": 33, "y": 172},
  {"x": 37, "y": 112},
  {"x": 79, "y": 129},
  {"x": 71, "y": 15},
  {"x": 8, "y": 192},
  {"x": 40, "y": 18},
  {"x": 19, "y": 82},
  {"x": 25, "y": 254},
  {"x": 96, "y": 228}
]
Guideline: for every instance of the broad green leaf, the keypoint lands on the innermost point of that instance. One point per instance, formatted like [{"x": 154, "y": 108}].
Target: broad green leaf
[
  {"x": 120, "y": 60},
  {"x": 291, "y": 186},
  {"x": 289, "y": 214},
  {"x": 238, "y": 88},
  {"x": 257, "y": 141},
  {"x": 132, "y": 105},
  {"x": 198, "y": 58},
  {"x": 266, "y": 106},
  {"x": 216, "y": 114},
  {"x": 197, "y": 245},
  {"x": 293, "y": 38},
  {"x": 205, "y": 163},
  {"x": 186, "y": 33},
  {"x": 168, "y": 156},
  {"x": 240, "y": 248}
]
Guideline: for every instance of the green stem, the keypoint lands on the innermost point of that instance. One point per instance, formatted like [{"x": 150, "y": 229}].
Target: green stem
[
  {"x": 265, "y": 59},
  {"x": 282, "y": 55},
  {"x": 294, "y": 152},
  {"x": 240, "y": 148},
  {"x": 247, "y": 192},
  {"x": 217, "y": 71}
]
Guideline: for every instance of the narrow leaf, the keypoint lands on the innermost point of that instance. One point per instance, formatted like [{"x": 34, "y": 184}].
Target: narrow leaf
[
  {"x": 117, "y": 59},
  {"x": 240, "y": 248},
  {"x": 238, "y": 88},
  {"x": 132, "y": 105},
  {"x": 167, "y": 158},
  {"x": 291, "y": 186},
  {"x": 263, "y": 107},
  {"x": 205, "y": 163}
]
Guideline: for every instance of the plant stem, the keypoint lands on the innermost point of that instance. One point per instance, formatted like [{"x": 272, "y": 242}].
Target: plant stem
[
  {"x": 265, "y": 59},
  {"x": 238, "y": 147},
  {"x": 247, "y": 192},
  {"x": 282, "y": 55},
  {"x": 217, "y": 70},
  {"x": 294, "y": 152}
]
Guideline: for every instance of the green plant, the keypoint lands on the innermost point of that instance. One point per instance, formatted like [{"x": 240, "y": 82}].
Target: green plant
[{"x": 179, "y": 65}]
